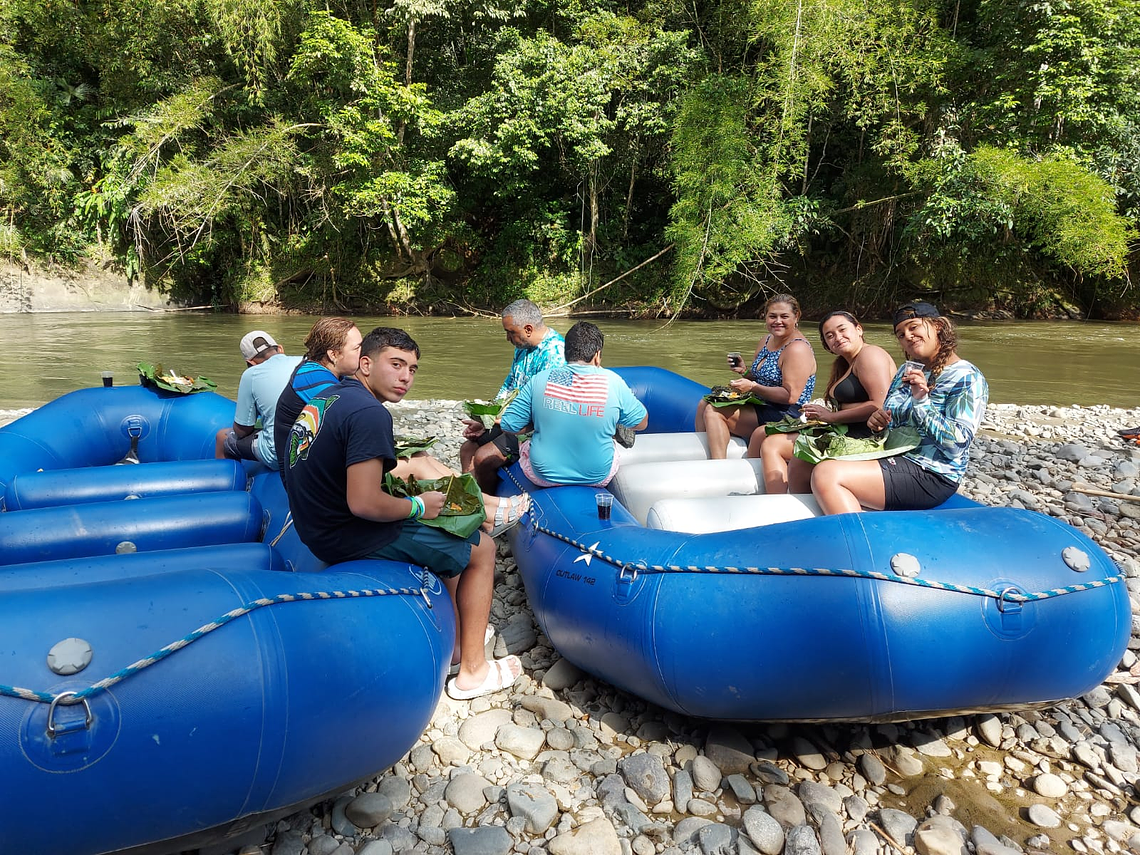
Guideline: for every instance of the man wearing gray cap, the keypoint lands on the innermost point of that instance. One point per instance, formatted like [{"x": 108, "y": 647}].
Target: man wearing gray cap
[{"x": 260, "y": 387}]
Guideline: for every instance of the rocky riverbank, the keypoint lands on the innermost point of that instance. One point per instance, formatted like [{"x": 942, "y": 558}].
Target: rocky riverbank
[{"x": 565, "y": 764}]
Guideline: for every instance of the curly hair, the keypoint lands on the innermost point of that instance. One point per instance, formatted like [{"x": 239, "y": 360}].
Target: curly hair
[{"x": 947, "y": 344}]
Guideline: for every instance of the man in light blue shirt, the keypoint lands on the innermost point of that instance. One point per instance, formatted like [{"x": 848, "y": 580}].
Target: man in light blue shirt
[
  {"x": 575, "y": 410},
  {"x": 537, "y": 347},
  {"x": 258, "y": 390}
]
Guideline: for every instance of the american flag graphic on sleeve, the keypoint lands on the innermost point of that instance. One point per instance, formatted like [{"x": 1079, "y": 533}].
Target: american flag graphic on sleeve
[{"x": 578, "y": 394}]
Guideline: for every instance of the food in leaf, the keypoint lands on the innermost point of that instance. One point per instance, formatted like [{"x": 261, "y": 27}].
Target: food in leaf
[
  {"x": 406, "y": 446},
  {"x": 486, "y": 412}
]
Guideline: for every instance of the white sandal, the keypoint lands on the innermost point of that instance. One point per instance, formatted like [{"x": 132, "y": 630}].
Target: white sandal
[
  {"x": 487, "y": 636},
  {"x": 499, "y": 677},
  {"x": 509, "y": 512}
]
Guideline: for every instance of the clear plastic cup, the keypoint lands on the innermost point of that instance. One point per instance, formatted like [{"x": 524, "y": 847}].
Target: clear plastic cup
[{"x": 604, "y": 502}]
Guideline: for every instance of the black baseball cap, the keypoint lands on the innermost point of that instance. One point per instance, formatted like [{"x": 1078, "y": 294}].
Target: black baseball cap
[{"x": 918, "y": 309}]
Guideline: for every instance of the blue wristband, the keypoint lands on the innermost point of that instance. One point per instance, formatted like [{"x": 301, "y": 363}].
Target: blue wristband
[{"x": 418, "y": 508}]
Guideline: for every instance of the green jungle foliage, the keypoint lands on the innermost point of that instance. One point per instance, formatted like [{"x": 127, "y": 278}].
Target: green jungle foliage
[{"x": 652, "y": 156}]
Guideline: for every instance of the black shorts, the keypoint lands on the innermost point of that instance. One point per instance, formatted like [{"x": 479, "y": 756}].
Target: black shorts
[
  {"x": 774, "y": 412},
  {"x": 507, "y": 443},
  {"x": 909, "y": 487}
]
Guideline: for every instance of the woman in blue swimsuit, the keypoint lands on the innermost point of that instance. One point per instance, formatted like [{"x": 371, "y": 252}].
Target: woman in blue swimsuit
[
  {"x": 860, "y": 377},
  {"x": 782, "y": 374}
]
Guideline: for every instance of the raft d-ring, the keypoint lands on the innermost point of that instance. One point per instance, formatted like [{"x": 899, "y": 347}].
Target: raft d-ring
[
  {"x": 56, "y": 701},
  {"x": 632, "y": 574},
  {"x": 1006, "y": 605}
]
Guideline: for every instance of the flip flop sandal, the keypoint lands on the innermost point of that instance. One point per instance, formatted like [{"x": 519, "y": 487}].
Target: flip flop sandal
[
  {"x": 499, "y": 677},
  {"x": 509, "y": 512},
  {"x": 487, "y": 636}
]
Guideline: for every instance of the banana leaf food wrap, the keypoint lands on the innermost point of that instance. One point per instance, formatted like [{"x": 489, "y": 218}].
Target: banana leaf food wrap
[
  {"x": 463, "y": 510},
  {"x": 172, "y": 381},
  {"x": 487, "y": 413},
  {"x": 726, "y": 396},
  {"x": 406, "y": 446},
  {"x": 814, "y": 446},
  {"x": 795, "y": 424}
]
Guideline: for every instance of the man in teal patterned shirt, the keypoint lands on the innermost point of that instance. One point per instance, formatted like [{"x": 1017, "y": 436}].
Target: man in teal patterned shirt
[{"x": 537, "y": 347}]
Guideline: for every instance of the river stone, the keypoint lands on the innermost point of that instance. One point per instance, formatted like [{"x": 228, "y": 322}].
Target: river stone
[
  {"x": 397, "y": 789},
  {"x": 322, "y": 844},
  {"x": 645, "y": 774},
  {"x": 560, "y": 739},
  {"x": 1050, "y": 786},
  {"x": 562, "y": 675},
  {"x": 480, "y": 729},
  {"x": 996, "y": 848},
  {"x": 1072, "y": 452},
  {"x": 811, "y": 793},
  {"x": 898, "y": 825},
  {"x": 289, "y": 842},
  {"x": 831, "y": 835},
  {"x": 903, "y": 759},
  {"x": 863, "y": 841},
  {"x": 930, "y": 745},
  {"x": 706, "y": 774},
  {"x": 717, "y": 839},
  {"x": 368, "y": 810},
  {"x": 465, "y": 792},
  {"x": 769, "y": 773},
  {"x": 686, "y": 831},
  {"x": 743, "y": 790},
  {"x": 989, "y": 729},
  {"x": 596, "y": 837},
  {"x": 939, "y": 836},
  {"x": 631, "y": 816},
  {"x": 682, "y": 788},
  {"x": 808, "y": 754},
  {"x": 729, "y": 750},
  {"x": 872, "y": 768},
  {"x": 856, "y": 807},
  {"x": 783, "y": 805},
  {"x": 802, "y": 841},
  {"x": 700, "y": 807},
  {"x": 375, "y": 847},
  {"x": 451, "y": 751},
  {"x": 339, "y": 821},
  {"x": 560, "y": 770},
  {"x": 523, "y": 742},
  {"x": 763, "y": 830},
  {"x": 550, "y": 708},
  {"x": 488, "y": 840},
  {"x": 1043, "y": 816},
  {"x": 534, "y": 804}
]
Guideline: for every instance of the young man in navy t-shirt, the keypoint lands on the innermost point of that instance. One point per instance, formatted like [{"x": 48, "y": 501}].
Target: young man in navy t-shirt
[{"x": 340, "y": 447}]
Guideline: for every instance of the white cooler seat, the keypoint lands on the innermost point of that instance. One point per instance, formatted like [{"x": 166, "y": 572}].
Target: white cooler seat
[
  {"x": 638, "y": 486},
  {"x": 656, "y": 447},
  {"x": 730, "y": 513}
]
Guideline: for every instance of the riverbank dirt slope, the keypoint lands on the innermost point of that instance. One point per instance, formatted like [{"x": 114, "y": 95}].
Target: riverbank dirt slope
[{"x": 89, "y": 288}]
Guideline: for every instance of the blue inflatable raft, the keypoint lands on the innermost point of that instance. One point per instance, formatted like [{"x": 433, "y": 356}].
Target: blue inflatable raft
[
  {"x": 168, "y": 677},
  {"x": 708, "y": 598}
]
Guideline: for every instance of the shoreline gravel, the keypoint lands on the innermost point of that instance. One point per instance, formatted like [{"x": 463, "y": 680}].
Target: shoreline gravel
[{"x": 566, "y": 764}]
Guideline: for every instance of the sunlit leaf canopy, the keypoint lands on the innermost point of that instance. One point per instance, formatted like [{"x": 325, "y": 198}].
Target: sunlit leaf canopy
[{"x": 452, "y": 155}]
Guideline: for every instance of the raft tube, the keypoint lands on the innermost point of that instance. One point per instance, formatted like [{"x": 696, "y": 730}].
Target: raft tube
[
  {"x": 858, "y": 617},
  {"x": 157, "y": 652}
]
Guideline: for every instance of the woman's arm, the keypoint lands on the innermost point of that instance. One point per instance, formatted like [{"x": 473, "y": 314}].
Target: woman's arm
[{"x": 953, "y": 423}]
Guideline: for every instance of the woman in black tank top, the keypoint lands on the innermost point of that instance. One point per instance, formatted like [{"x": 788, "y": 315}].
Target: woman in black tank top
[{"x": 860, "y": 377}]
